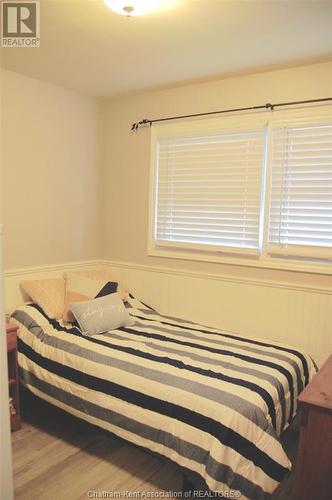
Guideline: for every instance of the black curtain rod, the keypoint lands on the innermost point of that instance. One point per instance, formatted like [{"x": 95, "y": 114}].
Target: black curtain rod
[{"x": 145, "y": 121}]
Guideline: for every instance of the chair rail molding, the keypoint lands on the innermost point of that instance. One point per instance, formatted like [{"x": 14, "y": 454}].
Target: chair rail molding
[
  {"x": 53, "y": 268},
  {"x": 12, "y": 277},
  {"x": 114, "y": 264}
]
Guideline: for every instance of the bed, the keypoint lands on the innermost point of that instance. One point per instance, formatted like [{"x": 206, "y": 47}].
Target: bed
[{"x": 213, "y": 402}]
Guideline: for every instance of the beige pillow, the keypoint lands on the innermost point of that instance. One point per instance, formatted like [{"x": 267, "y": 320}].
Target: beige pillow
[
  {"x": 49, "y": 294},
  {"x": 86, "y": 285}
]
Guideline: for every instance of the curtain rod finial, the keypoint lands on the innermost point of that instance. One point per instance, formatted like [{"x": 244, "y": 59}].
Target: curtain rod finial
[{"x": 137, "y": 125}]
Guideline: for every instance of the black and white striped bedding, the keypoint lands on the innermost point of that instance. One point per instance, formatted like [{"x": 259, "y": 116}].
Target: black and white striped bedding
[{"x": 211, "y": 401}]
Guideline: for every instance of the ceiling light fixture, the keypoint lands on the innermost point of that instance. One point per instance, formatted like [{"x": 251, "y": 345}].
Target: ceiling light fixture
[{"x": 137, "y": 7}]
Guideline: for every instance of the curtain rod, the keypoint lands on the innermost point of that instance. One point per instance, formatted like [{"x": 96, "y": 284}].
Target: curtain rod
[{"x": 145, "y": 121}]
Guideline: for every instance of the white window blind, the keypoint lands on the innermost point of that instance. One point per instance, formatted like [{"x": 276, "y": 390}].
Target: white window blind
[
  {"x": 208, "y": 190},
  {"x": 301, "y": 189}
]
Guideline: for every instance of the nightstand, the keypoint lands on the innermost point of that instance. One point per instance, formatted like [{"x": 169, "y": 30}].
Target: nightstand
[
  {"x": 13, "y": 380},
  {"x": 313, "y": 471}
]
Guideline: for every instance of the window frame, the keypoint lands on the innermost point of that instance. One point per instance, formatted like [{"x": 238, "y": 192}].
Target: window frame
[{"x": 264, "y": 259}]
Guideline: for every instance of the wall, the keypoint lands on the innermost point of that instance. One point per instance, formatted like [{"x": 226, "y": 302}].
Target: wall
[
  {"x": 284, "y": 305},
  {"x": 55, "y": 144},
  {"x": 50, "y": 189},
  {"x": 127, "y": 155}
]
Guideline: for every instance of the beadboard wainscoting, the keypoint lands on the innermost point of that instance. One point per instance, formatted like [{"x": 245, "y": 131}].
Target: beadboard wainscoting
[
  {"x": 284, "y": 312},
  {"x": 287, "y": 312}
]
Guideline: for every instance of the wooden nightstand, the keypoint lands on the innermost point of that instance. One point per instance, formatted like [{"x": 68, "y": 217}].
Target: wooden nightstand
[
  {"x": 15, "y": 418},
  {"x": 313, "y": 471}
]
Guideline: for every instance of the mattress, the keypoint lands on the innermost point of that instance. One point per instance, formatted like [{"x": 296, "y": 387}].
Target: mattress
[{"x": 212, "y": 402}]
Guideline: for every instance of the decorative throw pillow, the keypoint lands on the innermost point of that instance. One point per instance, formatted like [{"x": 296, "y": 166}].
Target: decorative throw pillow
[
  {"x": 49, "y": 294},
  {"x": 101, "y": 315},
  {"x": 79, "y": 289}
]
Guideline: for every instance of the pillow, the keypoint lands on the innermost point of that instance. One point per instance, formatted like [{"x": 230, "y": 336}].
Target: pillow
[
  {"x": 96, "y": 274},
  {"x": 49, "y": 294},
  {"x": 79, "y": 288},
  {"x": 102, "y": 274},
  {"x": 101, "y": 315}
]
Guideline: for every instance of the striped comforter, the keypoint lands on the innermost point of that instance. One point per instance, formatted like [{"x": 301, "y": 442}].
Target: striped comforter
[{"x": 213, "y": 402}]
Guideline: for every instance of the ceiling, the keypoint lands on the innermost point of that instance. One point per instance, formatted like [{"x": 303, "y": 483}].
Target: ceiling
[{"x": 87, "y": 47}]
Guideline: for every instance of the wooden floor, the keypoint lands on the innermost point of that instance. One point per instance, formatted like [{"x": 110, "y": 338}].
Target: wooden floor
[{"x": 58, "y": 457}]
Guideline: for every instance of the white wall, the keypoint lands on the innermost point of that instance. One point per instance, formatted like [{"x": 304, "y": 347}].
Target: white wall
[
  {"x": 285, "y": 305},
  {"x": 50, "y": 184},
  {"x": 50, "y": 195},
  {"x": 127, "y": 155},
  {"x": 56, "y": 210}
]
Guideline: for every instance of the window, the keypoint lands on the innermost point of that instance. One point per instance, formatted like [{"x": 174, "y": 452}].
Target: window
[
  {"x": 256, "y": 187},
  {"x": 209, "y": 190},
  {"x": 301, "y": 191}
]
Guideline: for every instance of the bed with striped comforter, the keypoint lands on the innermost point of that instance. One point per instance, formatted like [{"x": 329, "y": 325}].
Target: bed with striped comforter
[{"x": 212, "y": 402}]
